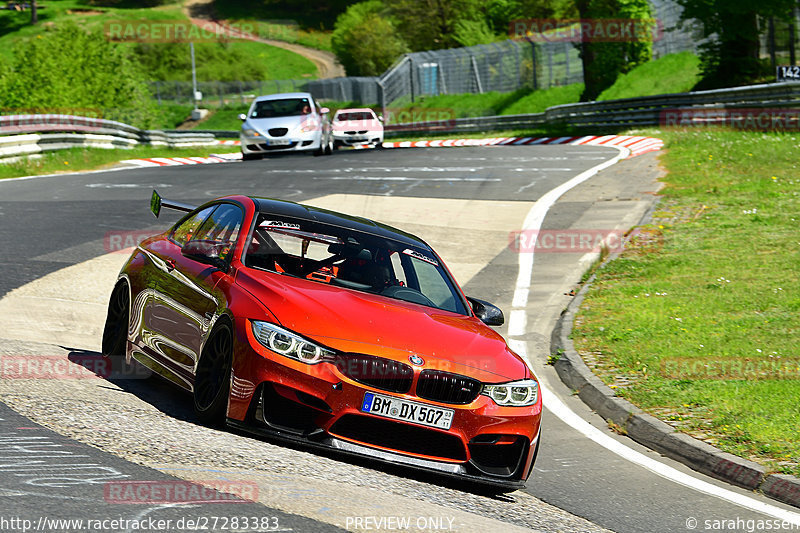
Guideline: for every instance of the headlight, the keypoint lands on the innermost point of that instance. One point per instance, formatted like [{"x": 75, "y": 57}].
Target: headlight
[
  {"x": 516, "y": 393},
  {"x": 290, "y": 344},
  {"x": 309, "y": 126},
  {"x": 250, "y": 133}
]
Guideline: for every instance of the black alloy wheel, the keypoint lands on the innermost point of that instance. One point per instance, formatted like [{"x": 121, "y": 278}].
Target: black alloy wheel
[{"x": 212, "y": 377}]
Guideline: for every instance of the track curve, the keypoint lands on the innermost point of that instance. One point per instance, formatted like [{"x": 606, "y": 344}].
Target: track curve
[{"x": 56, "y": 235}]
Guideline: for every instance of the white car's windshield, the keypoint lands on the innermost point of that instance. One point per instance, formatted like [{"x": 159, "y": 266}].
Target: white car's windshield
[
  {"x": 287, "y": 107},
  {"x": 354, "y": 115}
]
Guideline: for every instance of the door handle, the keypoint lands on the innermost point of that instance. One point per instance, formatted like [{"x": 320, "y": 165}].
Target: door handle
[{"x": 170, "y": 264}]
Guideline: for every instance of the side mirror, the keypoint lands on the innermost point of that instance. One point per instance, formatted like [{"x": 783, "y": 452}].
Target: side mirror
[
  {"x": 380, "y": 117},
  {"x": 489, "y": 314},
  {"x": 242, "y": 117},
  {"x": 324, "y": 110},
  {"x": 207, "y": 252}
]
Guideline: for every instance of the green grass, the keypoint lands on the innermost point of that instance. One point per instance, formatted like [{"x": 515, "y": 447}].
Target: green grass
[
  {"x": 673, "y": 73},
  {"x": 224, "y": 118},
  {"x": 290, "y": 33},
  {"x": 77, "y": 159},
  {"x": 492, "y": 103},
  {"x": 170, "y": 116},
  {"x": 714, "y": 281},
  {"x": 234, "y": 60}
]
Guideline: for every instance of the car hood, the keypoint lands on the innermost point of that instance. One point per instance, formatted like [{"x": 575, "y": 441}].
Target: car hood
[
  {"x": 354, "y": 321},
  {"x": 291, "y": 123}
]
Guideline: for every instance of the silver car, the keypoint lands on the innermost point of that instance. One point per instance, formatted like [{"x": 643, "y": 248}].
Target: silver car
[{"x": 285, "y": 122}]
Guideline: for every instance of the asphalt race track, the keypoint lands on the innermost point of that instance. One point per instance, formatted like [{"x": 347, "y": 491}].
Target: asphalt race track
[{"x": 64, "y": 441}]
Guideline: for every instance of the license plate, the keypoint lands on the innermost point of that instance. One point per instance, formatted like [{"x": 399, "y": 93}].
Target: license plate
[
  {"x": 278, "y": 142},
  {"x": 397, "y": 409},
  {"x": 357, "y": 138}
]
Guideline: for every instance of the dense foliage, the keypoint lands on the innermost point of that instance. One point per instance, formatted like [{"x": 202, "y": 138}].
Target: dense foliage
[
  {"x": 68, "y": 69},
  {"x": 731, "y": 57},
  {"x": 365, "y": 39},
  {"x": 603, "y": 62}
]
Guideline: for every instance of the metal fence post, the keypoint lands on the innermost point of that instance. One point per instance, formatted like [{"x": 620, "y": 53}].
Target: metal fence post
[
  {"x": 477, "y": 74},
  {"x": 411, "y": 77},
  {"x": 533, "y": 65}
]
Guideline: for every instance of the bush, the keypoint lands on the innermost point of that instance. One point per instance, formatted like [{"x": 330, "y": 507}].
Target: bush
[
  {"x": 70, "y": 70},
  {"x": 603, "y": 62},
  {"x": 365, "y": 41}
]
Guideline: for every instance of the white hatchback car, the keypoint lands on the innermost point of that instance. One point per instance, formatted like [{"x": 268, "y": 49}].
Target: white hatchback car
[
  {"x": 285, "y": 122},
  {"x": 357, "y": 127}
]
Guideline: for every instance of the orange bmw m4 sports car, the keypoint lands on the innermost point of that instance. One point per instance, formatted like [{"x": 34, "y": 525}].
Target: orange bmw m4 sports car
[{"x": 312, "y": 326}]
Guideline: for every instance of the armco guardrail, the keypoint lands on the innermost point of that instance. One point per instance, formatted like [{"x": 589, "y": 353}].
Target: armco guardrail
[
  {"x": 621, "y": 114},
  {"x": 24, "y": 135}
]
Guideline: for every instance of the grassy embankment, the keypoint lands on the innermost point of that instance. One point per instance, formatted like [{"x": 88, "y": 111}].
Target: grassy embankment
[
  {"x": 217, "y": 60},
  {"x": 670, "y": 74},
  {"x": 698, "y": 324}
]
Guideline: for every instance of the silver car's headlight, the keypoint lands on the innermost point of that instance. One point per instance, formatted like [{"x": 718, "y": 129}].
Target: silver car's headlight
[
  {"x": 515, "y": 394},
  {"x": 290, "y": 344},
  {"x": 250, "y": 132}
]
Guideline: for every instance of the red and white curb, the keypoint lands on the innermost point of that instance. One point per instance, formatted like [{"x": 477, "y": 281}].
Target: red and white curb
[
  {"x": 174, "y": 161},
  {"x": 637, "y": 145}
]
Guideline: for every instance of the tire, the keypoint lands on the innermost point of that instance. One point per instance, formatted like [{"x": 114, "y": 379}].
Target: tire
[
  {"x": 115, "y": 331},
  {"x": 213, "y": 376},
  {"x": 251, "y": 157}
]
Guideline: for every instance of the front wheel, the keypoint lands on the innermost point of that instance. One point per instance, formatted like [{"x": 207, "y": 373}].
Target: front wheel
[
  {"x": 250, "y": 157},
  {"x": 212, "y": 377},
  {"x": 115, "y": 332}
]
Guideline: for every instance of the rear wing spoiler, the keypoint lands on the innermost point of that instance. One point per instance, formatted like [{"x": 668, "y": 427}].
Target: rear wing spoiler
[{"x": 157, "y": 202}]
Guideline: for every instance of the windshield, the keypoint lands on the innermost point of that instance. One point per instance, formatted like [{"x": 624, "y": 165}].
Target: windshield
[
  {"x": 287, "y": 107},
  {"x": 352, "y": 259},
  {"x": 355, "y": 115}
]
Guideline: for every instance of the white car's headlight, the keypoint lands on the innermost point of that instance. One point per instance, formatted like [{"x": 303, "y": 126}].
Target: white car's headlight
[
  {"x": 516, "y": 393},
  {"x": 250, "y": 132},
  {"x": 290, "y": 344},
  {"x": 309, "y": 126}
]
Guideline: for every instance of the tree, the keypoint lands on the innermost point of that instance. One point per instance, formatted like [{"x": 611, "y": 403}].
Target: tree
[
  {"x": 603, "y": 62},
  {"x": 70, "y": 70},
  {"x": 731, "y": 56},
  {"x": 434, "y": 24},
  {"x": 365, "y": 40}
]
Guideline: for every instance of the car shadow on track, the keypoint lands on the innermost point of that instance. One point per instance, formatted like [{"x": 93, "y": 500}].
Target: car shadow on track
[
  {"x": 177, "y": 403},
  {"x": 138, "y": 380}
]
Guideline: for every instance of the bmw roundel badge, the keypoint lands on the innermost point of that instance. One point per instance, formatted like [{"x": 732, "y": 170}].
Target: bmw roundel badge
[{"x": 416, "y": 360}]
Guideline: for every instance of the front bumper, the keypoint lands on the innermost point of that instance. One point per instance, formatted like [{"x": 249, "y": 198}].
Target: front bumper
[
  {"x": 306, "y": 141},
  {"x": 319, "y": 406},
  {"x": 353, "y": 139}
]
